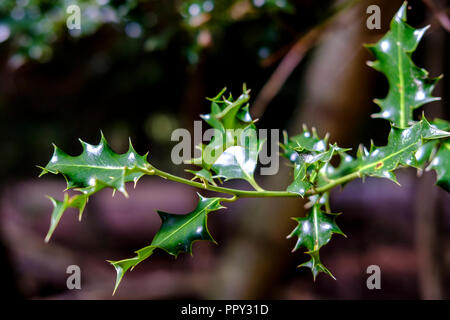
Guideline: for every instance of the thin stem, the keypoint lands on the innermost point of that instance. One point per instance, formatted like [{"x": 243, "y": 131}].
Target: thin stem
[
  {"x": 232, "y": 199},
  {"x": 249, "y": 194},
  {"x": 336, "y": 182},
  {"x": 235, "y": 192},
  {"x": 327, "y": 202}
]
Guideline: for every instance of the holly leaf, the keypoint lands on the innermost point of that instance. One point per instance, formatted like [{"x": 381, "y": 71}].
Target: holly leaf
[
  {"x": 441, "y": 164},
  {"x": 437, "y": 155},
  {"x": 400, "y": 150},
  {"x": 77, "y": 201},
  {"x": 97, "y": 163},
  {"x": 409, "y": 86},
  {"x": 228, "y": 118},
  {"x": 306, "y": 141},
  {"x": 406, "y": 147},
  {"x": 309, "y": 154},
  {"x": 203, "y": 175},
  {"x": 239, "y": 162},
  {"x": 313, "y": 232},
  {"x": 234, "y": 147},
  {"x": 347, "y": 165},
  {"x": 176, "y": 235},
  {"x": 299, "y": 186},
  {"x": 96, "y": 168},
  {"x": 425, "y": 152},
  {"x": 315, "y": 265},
  {"x": 227, "y": 113},
  {"x": 428, "y": 150}
]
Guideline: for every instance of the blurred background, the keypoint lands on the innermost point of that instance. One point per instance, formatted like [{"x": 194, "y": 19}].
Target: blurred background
[{"x": 140, "y": 69}]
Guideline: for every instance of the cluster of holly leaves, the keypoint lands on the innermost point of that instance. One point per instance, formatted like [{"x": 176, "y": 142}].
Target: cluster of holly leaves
[{"x": 233, "y": 154}]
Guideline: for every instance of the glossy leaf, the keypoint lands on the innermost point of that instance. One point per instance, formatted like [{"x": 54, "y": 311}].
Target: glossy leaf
[
  {"x": 96, "y": 168},
  {"x": 97, "y": 163},
  {"x": 404, "y": 148},
  {"x": 313, "y": 232},
  {"x": 299, "y": 185},
  {"x": 307, "y": 141},
  {"x": 309, "y": 154},
  {"x": 441, "y": 163},
  {"x": 316, "y": 265},
  {"x": 425, "y": 152},
  {"x": 176, "y": 235},
  {"x": 400, "y": 150},
  {"x": 59, "y": 207},
  {"x": 234, "y": 147},
  {"x": 437, "y": 154},
  {"x": 239, "y": 162},
  {"x": 409, "y": 86},
  {"x": 328, "y": 173},
  {"x": 227, "y": 113},
  {"x": 229, "y": 118}
]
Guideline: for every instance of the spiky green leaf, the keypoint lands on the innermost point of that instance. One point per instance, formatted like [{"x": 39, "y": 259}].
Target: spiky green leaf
[
  {"x": 97, "y": 163},
  {"x": 176, "y": 235},
  {"x": 309, "y": 154},
  {"x": 428, "y": 149},
  {"x": 315, "y": 265},
  {"x": 234, "y": 147},
  {"x": 300, "y": 185},
  {"x": 400, "y": 150},
  {"x": 239, "y": 161},
  {"x": 409, "y": 86},
  {"x": 405, "y": 147},
  {"x": 228, "y": 118},
  {"x": 305, "y": 142},
  {"x": 441, "y": 164},
  {"x": 313, "y": 232},
  {"x": 96, "y": 168},
  {"x": 77, "y": 201}
]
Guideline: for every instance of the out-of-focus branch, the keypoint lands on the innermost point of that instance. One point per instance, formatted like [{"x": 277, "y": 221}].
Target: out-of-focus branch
[
  {"x": 439, "y": 14},
  {"x": 291, "y": 60},
  {"x": 284, "y": 70}
]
